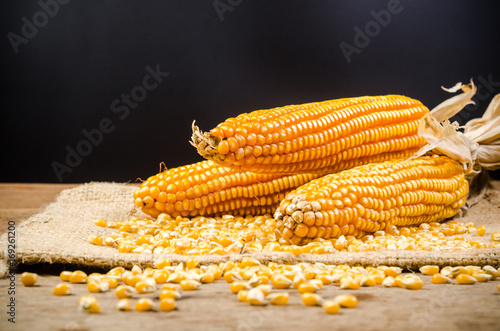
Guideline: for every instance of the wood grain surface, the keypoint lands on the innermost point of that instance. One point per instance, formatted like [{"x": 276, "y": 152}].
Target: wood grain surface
[{"x": 213, "y": 307}]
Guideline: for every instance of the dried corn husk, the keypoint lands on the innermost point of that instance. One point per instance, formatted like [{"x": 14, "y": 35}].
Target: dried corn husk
[{"x": 478, "y": 146}]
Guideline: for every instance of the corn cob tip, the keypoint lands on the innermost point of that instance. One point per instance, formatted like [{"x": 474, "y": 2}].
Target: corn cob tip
[{"x": 206, "y": 144}]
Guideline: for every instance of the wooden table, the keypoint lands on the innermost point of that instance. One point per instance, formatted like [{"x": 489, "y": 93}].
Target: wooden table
[{"x": 213, "y": 307}]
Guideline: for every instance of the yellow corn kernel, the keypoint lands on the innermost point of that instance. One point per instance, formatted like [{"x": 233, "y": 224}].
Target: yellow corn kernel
[
  {"x": 331, "y": 307},
  {"x": 171, "y": 294},
  {"x": 455, "y": 271},
  {"x": 307, "y": 288},
  {"x": 239, "y": 285},
  {"x": 160, "y": 276},
  {"x": 190, "y": 284},
  {"x": 147, "y": 285},
  {"x": 29, "y": 278},
  {"x": 125, "y": 291},
  {"x": 398, "y": 281},
  {"x": 464, "y": 279},
  {"x": 256, "y": 297},
  {"x": 90, "y": 304},
  {"x": 265, "y": 288},
  {"x": 298, "y": 279},
  {"x": 278, "y": 298},
  {"x": 101, "y": 223},
  {"x": 412, "y": 283},
  {"x": 389, "y": 281},
  {"x": 136, "y": 270},
  {"x": 429, "y": 270},
  {"x": 243, "y": 296},
  {"x": 481, "y": 230},
  {"x": 65, "y": 275},
  {"x": 249, "y": 262},
  {"x": 325, "y": 279},
  {"x": 258, "y": 280},
  {"x": 98, "y": 287},
  {"x": 207, "y": 278},
  {"x": 446, "y": 271},
  {"x": 367, "y": 281},
  {"x": 160, "y": 264},
  {"x": 311, "y": 299},
  {"x": 123, "y": 305},
  {"x": 171, "y": 287},
  {"x": 346, "y": 301},
  {"x": 176, "y": 277},
  {"x": 280, "y": 282},
  {"x": 231, "y": 276},
  {"x": 144, "y": 304},
  {"x": 78, "y": 276},
  {"x": 393, "y": 271},
  {"x": 167, "y": 304},
  {"x": 440, "y": 279},
  {"x": 96, "y": 240},
  {"x": 481, "y": 277},
  {"x": 316, "y": 282},
  {"x": 117, "y": 271},
  {"x": 347, "y": 283},
  {"x": 192, "y": 262},
  {"x": 491, "y": 271},
  {"x": 495, "y": 236},
  {"x": 62, "y": 289}
]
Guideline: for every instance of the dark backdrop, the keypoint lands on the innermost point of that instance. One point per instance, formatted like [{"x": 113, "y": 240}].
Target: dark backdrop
[{"x": 68, "y": 65}]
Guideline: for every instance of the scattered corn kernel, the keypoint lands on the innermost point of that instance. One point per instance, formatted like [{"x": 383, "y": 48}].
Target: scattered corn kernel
[
  {"x": 389, "y": 281},
  {"x": 331, "y": 307},
  {"x": 429, "y": 270},
  {"x": 147, "y": 285},
  {"x": 311, "y": 299},
  {"x": 190, "y": 285},
  {"x": 62, "y": 289},
  {"x": 346, "y": 301},
  {"x": 440, "y": 279},
  {"x": 481, "y": 277},
  {"x": 265, "y": 288},
  {"x": 65, "y": 275},
  {"x": 255, "y": 297},
  {"x": 29, "y": 278},
  {"x": 123, "y": 305},
  {"x": 192, "y": 262},
  {"x": 280, "y": 282},
  {"x": 491, "y": 271},
  {"x": 169, "y": 294},
  {"x": 307, "y": 288},
  {"x": 495, "y": 236},
  {"x": 278, "y": 298},
  {"x": 125, "y": 291},
  {"x": 464, "y": 279},
  {"x": 481, "y": 230},
  {"x": 412, "y": 283},
  {"x": 78, "y": 276},
  {"x": 243, "y": 296},
  {"x": 239, "y": 285},
  {"x": 90, "y": 304},
  {"x": 167, "y": 304},
  {"x": 144, "y": 304}
]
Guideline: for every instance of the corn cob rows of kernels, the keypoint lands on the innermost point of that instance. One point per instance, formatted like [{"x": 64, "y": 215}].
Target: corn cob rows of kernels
[
  {"x": 206, "y": 188},
  {"x": 257, "y": 284},
  {"x": 313, "y": 137},
  {"x": 373, "y": 197},
  {"x": 229, "y": 235}
]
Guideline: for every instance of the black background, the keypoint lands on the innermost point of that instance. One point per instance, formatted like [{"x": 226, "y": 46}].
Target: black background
[{"x": 262, "y": 54}]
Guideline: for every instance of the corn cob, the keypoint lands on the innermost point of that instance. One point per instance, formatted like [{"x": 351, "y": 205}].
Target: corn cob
[
  {"x": 373, "y": 197},
  {"x": 322, "y": 137},
  {"x": 205, "y": 188}
]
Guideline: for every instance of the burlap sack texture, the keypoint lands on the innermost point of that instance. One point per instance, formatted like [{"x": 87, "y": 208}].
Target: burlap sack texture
[{"x": 58, "y": 234}]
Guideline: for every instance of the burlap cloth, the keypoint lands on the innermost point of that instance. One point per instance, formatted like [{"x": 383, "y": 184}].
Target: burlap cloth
[{"x": 58, "y": 234}]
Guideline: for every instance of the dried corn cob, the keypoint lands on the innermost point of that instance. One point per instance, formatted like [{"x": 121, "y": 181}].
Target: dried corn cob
[
  {"x": 205, "y": 188},
  {"x": 322, "y": 137},
  {"x": 373, "y": 197}
]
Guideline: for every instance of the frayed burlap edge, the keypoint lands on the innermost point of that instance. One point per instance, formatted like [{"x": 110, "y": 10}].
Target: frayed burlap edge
[{"x": 58, "y": 234}]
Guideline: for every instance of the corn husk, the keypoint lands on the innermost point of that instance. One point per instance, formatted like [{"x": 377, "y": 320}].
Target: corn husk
[{"x": 478, "y": 146}]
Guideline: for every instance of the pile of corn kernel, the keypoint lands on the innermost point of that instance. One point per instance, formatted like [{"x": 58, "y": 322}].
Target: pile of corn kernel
[
  {"x": 251, "y": 282},
  {"x": 235, "y": 234}
]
